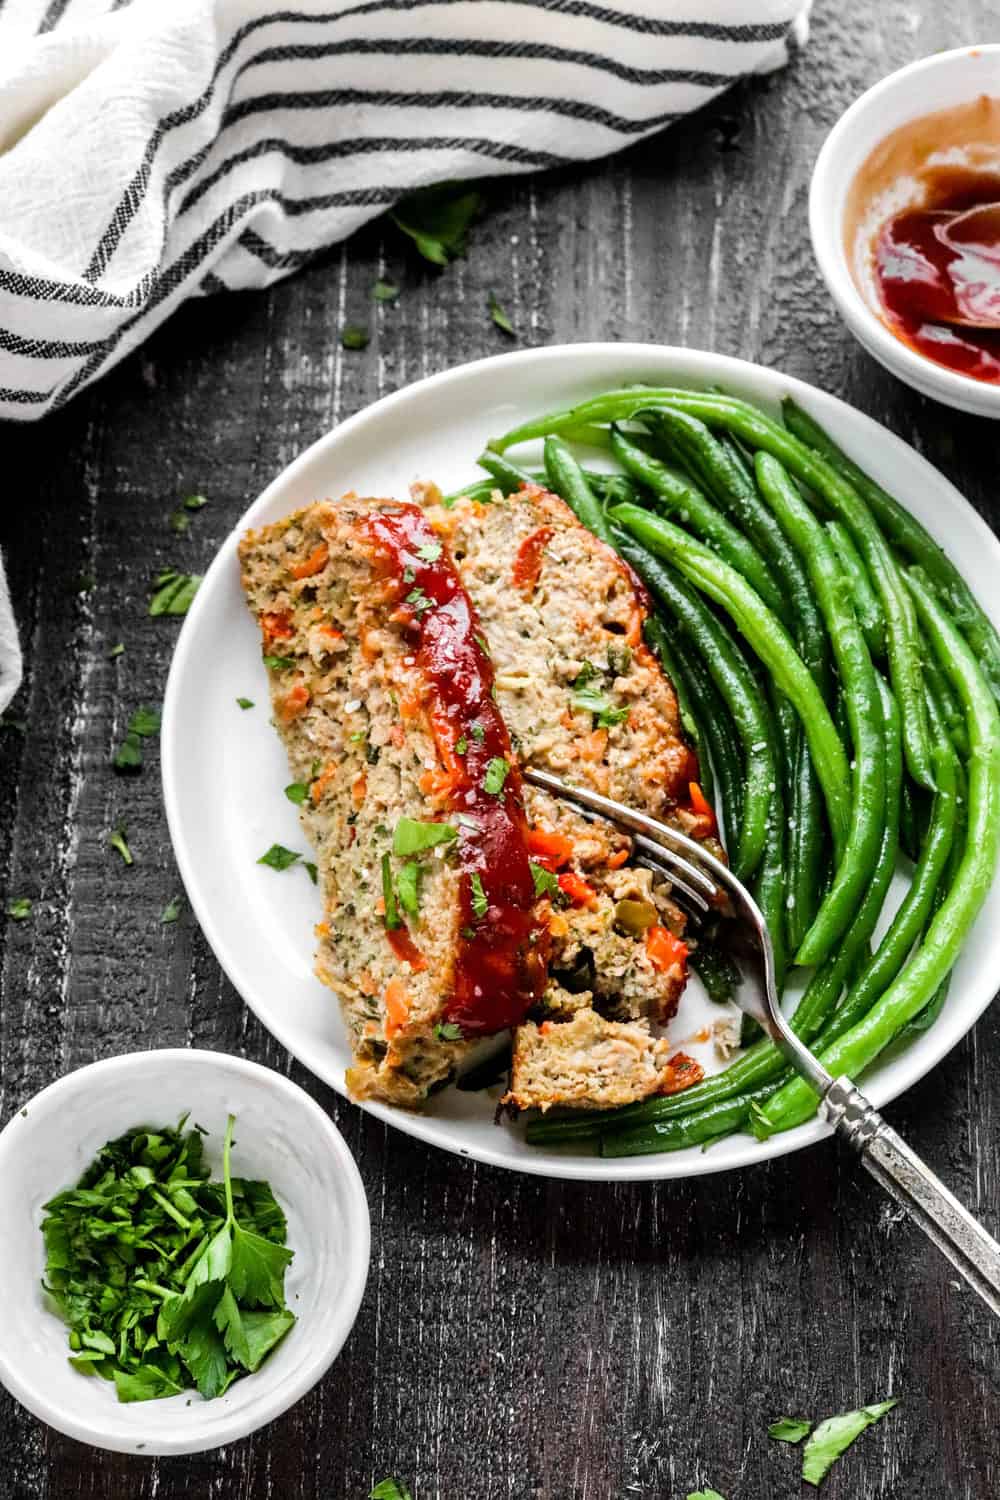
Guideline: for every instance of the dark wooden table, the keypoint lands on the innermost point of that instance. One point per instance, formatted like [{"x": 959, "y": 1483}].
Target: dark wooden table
[{"x": 518, "y": 1339}]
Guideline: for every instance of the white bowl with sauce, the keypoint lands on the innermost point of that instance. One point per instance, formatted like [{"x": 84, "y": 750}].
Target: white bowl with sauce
[{"x": 938, "y": 114}]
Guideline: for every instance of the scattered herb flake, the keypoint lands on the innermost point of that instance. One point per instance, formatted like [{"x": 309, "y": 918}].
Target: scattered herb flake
[
  {"x": 173, "y": 592},
  {"x": 461, "y": 745},
  {"x": 194, "y": 502},
  {"x": 429, "y": 552},
  {"x": 278, "y": 857},
  {"x": 437, "y": 220},
  {"x": 390, "y": 916},
  {"x": 496, "y": 774},
  {"x": 172, "y": 910},
  {"x": 478, "y": 733},
  {"x": 835, "y": 1435},
  {"x": 118, "y": 840},
  {"x": 390, "y": 1489},
  {"x": 705, "y": 1495},
  {"x": 480, "y": 905},
  {"x": 144, "y": 723},
  {"x": 245, "y": 703},
  {"x": 546, "y": 883},
  {"x": 385, "y": 291},
  {"x": 418, "y": 600},
  {"x": 500, "y": 318},
  {"x": 354, "y": 337},
  {"x": 413, "y": 837},
  {"x": 118, "y": 650},
  {"x": 19, "y": 909},
  {"x": 789, "y": 1429},
  {"x": 297, "y": 792},
  {"x": 279, "y": 663},
  {"x": 448, "y": 1031},
  {"x": 468, "y": 933},
  {"x": 311, "y": 870}
]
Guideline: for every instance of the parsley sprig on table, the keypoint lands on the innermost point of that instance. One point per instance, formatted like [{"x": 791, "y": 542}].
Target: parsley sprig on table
[{"x": 167, "y": 1280}]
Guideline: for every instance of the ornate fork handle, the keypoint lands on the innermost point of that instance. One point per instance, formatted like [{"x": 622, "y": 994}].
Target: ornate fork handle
[{"x": 973, "y": 1252}]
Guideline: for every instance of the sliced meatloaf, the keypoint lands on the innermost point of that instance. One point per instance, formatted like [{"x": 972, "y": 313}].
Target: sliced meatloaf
[
  {"x": 382, "y": 694},
  {"x": 585, "y": 699}
]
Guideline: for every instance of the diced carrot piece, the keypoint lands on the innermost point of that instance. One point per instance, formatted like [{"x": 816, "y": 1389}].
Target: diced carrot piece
[
  {"x": 707, "y": 824},
  {"x": 323, "y": 780},
  {"x": 665, "y": 950},
  {"x": 616, "y": 860},
  {"x": 576, "y": 888},
  {"x": 558, "y": 925},
  {"x": 593, "y": 746},
  {"x": 633, "y": 635},
  {"x": 332, "y": 631},
  {"x": 314, "y": 563},
  {"x": 295, "y": 700},
  {"x": 397, "y": 736},
  {"x": 276, "y": 626},
  {"x": 549, "y": 849},
  {"x": 359, "y": 786},
  {"x": 528, "y": 562},
  {"x": 397, "y": 1006}
]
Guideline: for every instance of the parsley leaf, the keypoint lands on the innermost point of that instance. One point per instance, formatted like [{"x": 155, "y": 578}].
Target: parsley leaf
[
  {"x": 500, "y": 318},
  {"x": 429, "y": 552},
  {"x": 297, "y": 792},
  {"x": 385, "y": 291},
  {"x": 413, "y": 837},
  {"x": 835, "y": 1435},
  {"x": 546, "y": 883},
  {"x": 172, "y": 910},
  {"x": 437, "y": 220},
  {"x": 245, "y": 703},
  {"x": 118, "y": 840},
  {"x": 173, "y": 592},
  {"x": 461, "y": 745},
  {"x": 408, "y": 887},
  {"x": 478, "y": 733},
  {"x": 418, "y": 600},
  {"x": 448, "y": 1031},
  {"x": 279, "y": 663},
  {"x": 311, "y": 870},
  {"x": 19, "y": 909},
  {"x": 390, "y": 915},
  {"x": 354, "y": 337},
  {"x": 587, "y": 699},
  {"x": 118, "y": 650},
  {"x": 496, "y": 774},
  {"x": 181, "y": 518},
  {"x": 390, "y": 1489},
  {"x": 705, "y": 1495},
  {"x": 143, "y": 723},
  {"x": 480, "y": 904},
  {"x": 789, "y": 1429},
  {"x": 278, "y": 857}
]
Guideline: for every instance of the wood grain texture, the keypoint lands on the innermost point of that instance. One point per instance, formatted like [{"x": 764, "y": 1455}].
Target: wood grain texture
[{"x": 519, "y": 1340}]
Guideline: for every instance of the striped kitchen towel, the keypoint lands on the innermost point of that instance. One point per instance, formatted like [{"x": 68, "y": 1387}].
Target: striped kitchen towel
[{"x": 162, "y": 149}]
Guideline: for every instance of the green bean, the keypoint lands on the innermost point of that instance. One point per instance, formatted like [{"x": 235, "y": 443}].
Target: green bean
[
  {"x": 676, "y": 496},
  {"x": 806, "y": 847},
  {"x": 736, "y": 685},
  {"x": 918, "y": 982},
  {"x": 722, "y": 740},
  {"x": 767, "y": 636},
  {"x": 854, "y": 868},
  {"x": 906, "y": 533},
  {"x": 480, "y": 489},
  {"x": 716, "y": 970},
  {"x": 657, "y": 637},
  {"x": 508, "y": 476},
  {"x": 720, "y": 1118},
  {"x": 866, "y": 603},
  {"x": 837, "y": 494},
  {"x": 940, "y": 688},
  {"x": 569, "y": 481},
  {"x": 769, "y": 884},
  {"x": 909, "y": 832}
]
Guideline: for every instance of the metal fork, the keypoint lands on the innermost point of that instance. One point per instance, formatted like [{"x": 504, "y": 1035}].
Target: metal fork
[{"x": 705, "y": 883}]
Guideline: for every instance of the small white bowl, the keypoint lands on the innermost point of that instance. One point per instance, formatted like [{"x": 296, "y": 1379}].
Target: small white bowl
[
  {"x": 939, "y": 82},
  {"x": 281, "y": 1136}
]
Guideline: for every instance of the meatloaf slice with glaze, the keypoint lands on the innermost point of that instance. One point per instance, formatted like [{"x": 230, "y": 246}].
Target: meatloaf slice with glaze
[
  {"x": 584, "y": 698},
  {"x": 382, "y": 694}
]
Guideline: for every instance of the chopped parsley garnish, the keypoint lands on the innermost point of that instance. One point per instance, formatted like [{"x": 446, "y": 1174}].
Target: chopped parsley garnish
[
  {"x": 408, "y": 887},
  {"x": 19, "y": 909},
  {"x": 297, "y": 792},
  {"x": 418, "y": 600},
  {"x": 413, "y": 837},
  {"x": 278, "y": 857},
  {"x": 181, "y": 518},
  {"x": 789, "y": 1429},
  {"x": 354, "y": 337},
  {"x": 143, "y": 723},
  {"x": 437, "y": 220},
  {"x": 390, "y": 916},
  {"x": 480, "y": 905},
  {"x": 167, "y": 1281},
  {"x": 359, "y": 734},
  {"x": 118, "y": 840},
  {"x": 118, "y": 650},
  {"x": 546, "y": 883},
  {"x": 496, "y": 774},
  {"x": 311, "y": 870},
  {"x": 835, "y": 1435},
  {"x": 500, "y": 318},
  {"x": 409, "y": 574},
  {"x": 478, "y": 732},
  {"x": 279, "y": 663},
  {"x": 619, "y": 661},
  {"x": 173, "y": 592},
  {"x": 390, "y": 1489},
  {"x": 461, "y": 745},
  {"x": 448, "y": 1031},
  {"x": 468, "y": 932},
  {"x": 245, "y": 703},
  {"x": 589, "y": 699},
  {"x": 385, "y": 291},
  {"x": 172, "y": 910},
  {"x": 429, "y": 552}
]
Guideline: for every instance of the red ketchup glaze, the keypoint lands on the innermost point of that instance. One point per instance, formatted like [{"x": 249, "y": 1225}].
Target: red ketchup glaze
[
  {"x": 501, "y": 966},
  {"x": 926, "y": 281}
]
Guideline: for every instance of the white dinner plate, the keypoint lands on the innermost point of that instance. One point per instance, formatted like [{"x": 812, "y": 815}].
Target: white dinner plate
[{"x": 224, "y": 768}]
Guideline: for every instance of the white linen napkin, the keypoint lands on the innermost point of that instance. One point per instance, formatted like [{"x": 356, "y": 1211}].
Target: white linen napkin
[{"x": 163, "y": 149}]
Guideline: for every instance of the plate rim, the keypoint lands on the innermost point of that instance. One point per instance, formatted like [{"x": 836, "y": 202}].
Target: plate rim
[{"x": 552, "y": 1164}]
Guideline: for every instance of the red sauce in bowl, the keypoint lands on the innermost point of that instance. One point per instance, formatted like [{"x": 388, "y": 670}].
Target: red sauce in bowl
[
  {"x": 919, "y": 278},
  {"x": 500, "y": 969}
]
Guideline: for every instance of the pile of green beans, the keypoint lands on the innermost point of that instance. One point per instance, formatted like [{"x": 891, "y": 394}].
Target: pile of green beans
[{"x": 839, "y": 683}]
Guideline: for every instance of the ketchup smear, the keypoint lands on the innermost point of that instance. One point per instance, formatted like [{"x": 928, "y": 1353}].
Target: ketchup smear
[
  {"x": 925, "y": 282},
  {"x": 501, "y": 965}
]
